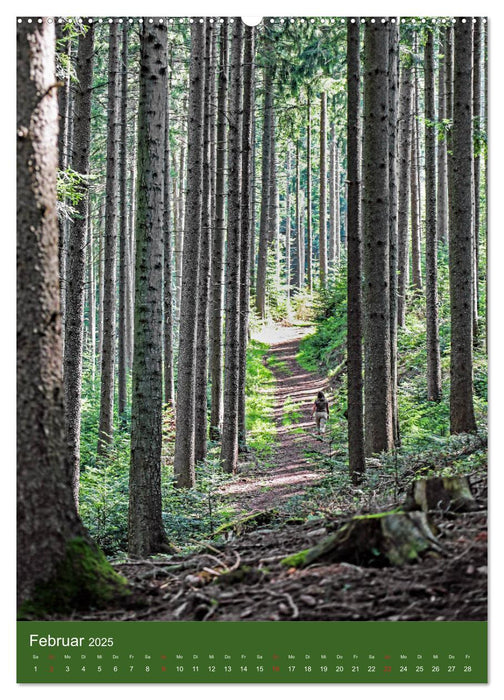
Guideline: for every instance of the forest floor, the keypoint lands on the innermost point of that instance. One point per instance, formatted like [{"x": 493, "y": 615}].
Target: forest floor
[{"x": 239, "y": 574}]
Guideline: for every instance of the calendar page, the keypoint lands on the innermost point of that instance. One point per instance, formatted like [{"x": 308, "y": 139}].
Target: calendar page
[{"x": 252, "y": 349}]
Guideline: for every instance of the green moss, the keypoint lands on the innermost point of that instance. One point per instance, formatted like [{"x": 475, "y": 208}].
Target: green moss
[
  {"x": 369, "y": 516},
  {"x": 296, "y": 559},
  {"x": 83, "y": 579}
]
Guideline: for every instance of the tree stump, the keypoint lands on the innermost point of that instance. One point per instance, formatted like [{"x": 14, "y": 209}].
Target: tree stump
[
  {"x": 381, "y": 539},
  {"x": 441, "y": 493}
]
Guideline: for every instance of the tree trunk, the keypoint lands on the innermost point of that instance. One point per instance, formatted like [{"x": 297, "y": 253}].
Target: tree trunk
[
  {"x": 106, "y": 426},
  {"x": 64, "y": 104},
  {"x": 264, "y": 225},
  {"x": 299, "y": 228},
  {"x": 184, "y": 437},
  {"x": 146, "y": 533},
  {"x": 323, "y": 192},
  {"x": 179, "y": 241},
  {"x": 332, "y": 200},
  {"x": 309, "y": 237},
  {"x": 416, "y": 234},
  {"x": 274, "y": 216},
  {"x": 169, "y": 390},
  {"x": 288, "y": 223},
  {"x": 101, "y": 277},
  {"x": 431, "y": 291},
  {"x": 123, "y": 230},
  {"x": 354, "y": 268},
  {"x": 405, "y": 174},
  {"x": 461, "y": 250},
  {"x": 246, "y": 226},
  {"x": 229, "y": 448},
  {"x": 205, "y": 253},
  {"x": 377, "y": 385},
  {"x": 477, "y": 165},
  {"x": 92, "y": 293},
  {"x": 56, "y": 564},
  {"x": 393, "y": 106},
  {"x": 442, "y": 184},
  {"x": 217, "y": 267},
  {"x": 130, "y": 279},
  {"x": 76, "y": 260}
]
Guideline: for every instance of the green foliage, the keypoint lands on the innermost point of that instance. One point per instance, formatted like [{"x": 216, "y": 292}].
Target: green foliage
[
  {"x": 71, "y": 188},
  {"x": 259, "y": 388}
]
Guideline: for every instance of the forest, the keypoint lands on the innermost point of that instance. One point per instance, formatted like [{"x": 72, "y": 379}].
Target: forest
[{"x": 252, "y": 318}]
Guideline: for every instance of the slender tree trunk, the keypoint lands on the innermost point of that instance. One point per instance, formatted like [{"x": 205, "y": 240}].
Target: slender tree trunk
[
  {"x": 76, "y": 260},
  {"x": 332, "y": 200},
  {"x": 338, "y": 244},
  {"x": 299, "y": 228},
  {"x": 288, "y": 223},
  {"x": 309, "y": 237},
  {"x": 169, "y": 390},
  {"x": 91, "y": 280},
  {"x": 449, "y": 113},
  {"x": 274, "y": 217},
  {"x": 229, "y": 449},
  {"x": 323, "y": 192},
  {"x": 416, "y": 232},
  {"x": 205, "y": 253},
  {"x": 184, "y": 436},
  {"x": 442, "y": 184},
  {"x": 101, "y": 278},
  {"x": 179, "y": 244},
  {"x": 406, "y": 174},
  {"x": 106, "y": 426},
  {"x": 246, "y": 225},
  {"x": 356, "y": 460},
  {"x": 217, "y": 266},
  {"x": 477, "y": 165},
  {"x": 393, "y": 106},
  {"x": 461, "y": 251},
  {"x": 146, "y": 533},
  {"x": 130, "y": 277},
  {"x": 123, "y": 230},
  {"x": 431, "y": 291},
  {"x": 262, "y": 259},
  {"x": 377, "y": 386}
]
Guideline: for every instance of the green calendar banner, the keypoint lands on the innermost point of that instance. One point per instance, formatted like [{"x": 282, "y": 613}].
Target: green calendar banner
[{"x": 252, "y": 652}]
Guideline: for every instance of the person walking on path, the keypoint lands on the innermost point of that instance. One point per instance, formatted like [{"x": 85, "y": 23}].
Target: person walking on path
[{"x": 320, "y": 411}]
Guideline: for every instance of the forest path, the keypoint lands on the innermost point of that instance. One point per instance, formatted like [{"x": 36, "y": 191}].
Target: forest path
[{"x": 288, "y": 471}]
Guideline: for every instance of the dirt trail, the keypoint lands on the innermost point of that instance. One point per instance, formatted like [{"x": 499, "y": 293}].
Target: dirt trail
[{"x": 289, "y": 471}]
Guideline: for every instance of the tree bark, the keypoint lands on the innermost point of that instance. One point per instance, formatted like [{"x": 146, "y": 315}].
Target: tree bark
[
  {"x": 205, "y": 253},
  {"x": 461, "y": 250},
  {"x": 477, "y": 165},
  {"x": 288, "y": 276},
  {"x": 169, "y": 390},
  {"x": 332, "y": 200},
  {"x": 123, "y": 230},
  {"x": 246, "y": 226},
  {"x": 76, "y": 259},
  {"x": 217, "y": 266},
  {"x": 229, "y": 448},
  {"x": 323, "y": 192},
  {"x": 405, "y": 174},
  {"x": 146, "y": 533},
  {"x": 309, "y": 237},
  {"x": 51, "y": 541},
  {"x": 442, "y": 184},
  {"x": 431, "y": 291},
  {"x": 377, "y": 385},
  {"x": 92, "y": 293},
  {"x": 184, "y": 436},
  {"x": 416, "y": 233},
  {"x": 299, "y": 228},
  {"x": 264, "y": 225},
  {"x": 356, "y": 460},
  {"x": 106, "y": 426},
  {"x": 393, "y": 106}
]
